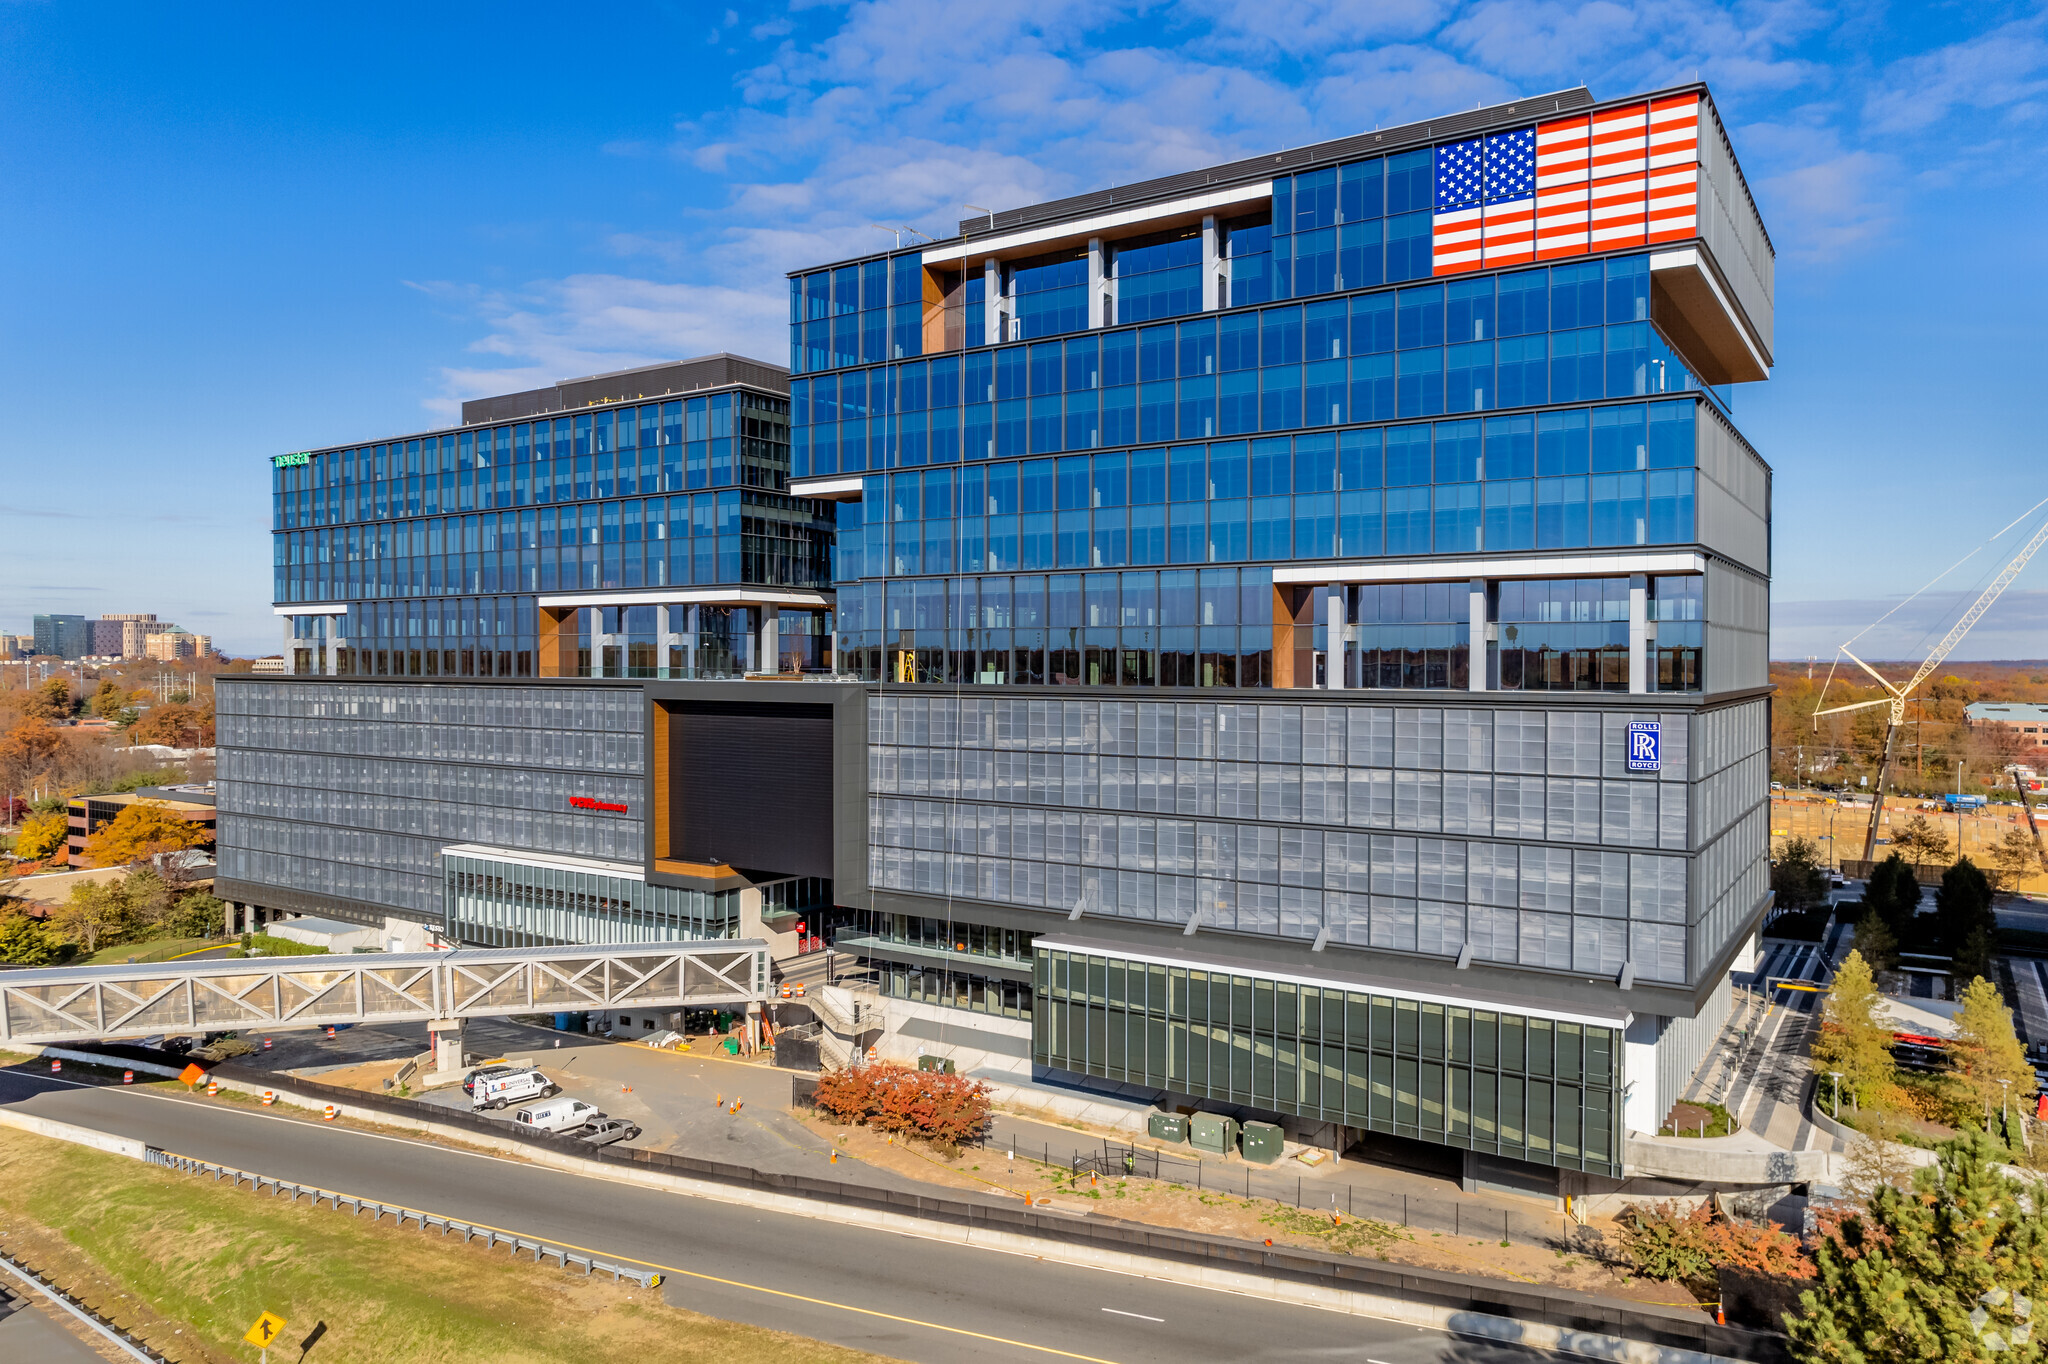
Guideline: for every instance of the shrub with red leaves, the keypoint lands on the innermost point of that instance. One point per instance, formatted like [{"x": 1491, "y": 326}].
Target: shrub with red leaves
[{"x": 944, "y": 1109}]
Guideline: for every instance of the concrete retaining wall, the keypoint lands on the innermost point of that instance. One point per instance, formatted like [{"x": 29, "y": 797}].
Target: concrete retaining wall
[{"x": 77, "y": 1136}]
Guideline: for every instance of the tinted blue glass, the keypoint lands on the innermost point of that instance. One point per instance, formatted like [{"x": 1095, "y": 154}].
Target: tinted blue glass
[
  {"x": 1324, "y": 387},
  {"x": 1408, "y": 455},
  {"x": 1119, "y": 416},
  {"x": 1670, "y": 506},
  {"x": 945, "y": 435},
  {"x": 911, "y": 446},
  {"x": 1283, "y": 203},
  {"x": 1249, "y": 247},
  {"x": 1560, "y": 513},
  {"x": 1617, "y": 511},
  {"x": 973, "y": 492},
  {"x": 1196, "y": 342},
  {"x": 1047, "y": 429},
  {"x": 1671, "y": 435},
  {"x": 1457, "y": 452},
  {"x": 1082, "y": 420},
  {"x": 1524, "y": 303},
  {"x": 1187, "y": 533},
  {"x": 1280, "y": 337},
  {"x": 1372, "y": 324},
  {"x": 1109, "y": 480},
  {"x": 1270, "y": 466},
  {"x": 1110, "y": 538},
  {"x": 1361, "y": 190},
  {"x": 977, "y": 377},
  {"x": 1238, "y": 342},
  {"x": 1315, "y": 464},
  {"x": 1045, "y": 368},
  {"x": 1457, "y": 518},
  {"x": 1468, "y": 377},
  {"x": 1575, "y": 365},
  {"x": 1325, "y": 329},
  {"x": 1407, "y": 520},
  {"x": 938, "y": 493},
  {"x": 1361, "y": 459},
  {"x": 1160, "y": 280},
  {"x": 913, "y": 384},
  {"x": 1469, "y": 310},
  {"x": 1148, "y": 535},
  {"x": 1280, "y": 398},
  {"x": 1628, "y": 360},
  {"x": 1037, "y": 486},
  {"x": 1155, "y": 412},
  {"x": 1073, "y": 534},
  {"x": 1228, "y": 474},
  {"x": 1237, "y": 403},
  {"x": 1510, "y": 447},
  {"x": 1155, "y": 354},
  {"x": 846, "y": 291},
  {"x": 1315, "y": 526},
  {"x": 977, "y": 431},
  {"x": 1037, "y": 540},
  {"x": 1315, "y": 263},
  {"x": 1421, "y": 382},
  {"x": 1523, "y": 375},
  {"x": 1361, "y": 255},
  {"x": 1073, "y": 483},
  {"x": 1408, "y": 181},
  {"x": 1510, "y": 513},
  {"x": 1359, "y": 530},
  {"x": 1051, "y": 298},
  {"x": 1619, "y": 441},
  {"x": 1409, "y": 248},
  {"x": 1315, "y": 199},
  {"x": 1229, "y": 539},
  {"x": 1081, "y": 358},
  {"x": 1002, "y": 489},
  {"x": 1148, "y": 476},
  {"x": 1628, "y": 289},
  {"x": 1198, "y": 408},
  {"x": 906, "y": 492},
  {"x": 1120, "y": 358},
  {"x": 1012, "y": 373},
  {"x": 1271, "y": 527},
  {"x": 1420, "y": 317},
  {"x": 1575, "y": 299},
  {"x": 1372, "y": 389},
  {"x": 1013, "y": 427}
]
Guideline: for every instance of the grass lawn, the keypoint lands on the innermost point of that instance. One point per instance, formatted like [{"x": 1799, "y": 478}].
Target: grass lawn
[
  {"x": 264, "y": 945},
  {"x": 188, "y": 1264},
  {"x": 163, "y": 949}
]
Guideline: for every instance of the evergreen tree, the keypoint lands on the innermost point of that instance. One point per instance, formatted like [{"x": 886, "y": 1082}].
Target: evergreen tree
[
  {"x": 1893, "y": 894},
  {"x": 1796, "y": 875},
  {"x": 1879, "y": 948},
  {"x": 1986, "y": 1050},
  {"x": 1854, "y": 1038},
  {"x": 1905, "y": 1278},
  {"x": 1962, "y": 904},
  {"x": 24, "y": 942}
]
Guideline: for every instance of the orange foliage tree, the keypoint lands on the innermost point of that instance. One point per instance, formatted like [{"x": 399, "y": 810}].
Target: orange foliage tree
[
  {"x": 173, "y": 725},
  {"x": 944, "y": 1109},
  {"x": 144, "y": 830}
]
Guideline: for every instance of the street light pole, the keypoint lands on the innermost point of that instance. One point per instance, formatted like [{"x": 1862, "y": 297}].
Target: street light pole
[
  {"x": 1836, "y": 1076},
  {"x": 1959, "y": 812}
]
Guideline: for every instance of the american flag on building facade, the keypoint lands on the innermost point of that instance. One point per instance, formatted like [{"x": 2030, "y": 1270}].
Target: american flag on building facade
[{"x": 1617, "y": 178}]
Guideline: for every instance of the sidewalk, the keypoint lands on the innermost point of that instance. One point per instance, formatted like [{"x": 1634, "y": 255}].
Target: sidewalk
[{"x": 1758, "y": 1068}]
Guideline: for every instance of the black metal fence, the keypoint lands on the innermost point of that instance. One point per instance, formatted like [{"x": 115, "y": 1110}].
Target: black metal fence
[{"x": 1455, "y": 1292}]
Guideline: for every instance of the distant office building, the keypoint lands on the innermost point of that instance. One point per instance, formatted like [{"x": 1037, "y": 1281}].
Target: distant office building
[
  {"x": 2028, "y": 724},
  {"x": 124, "y": 636},
  {"x": 173, "y": 644},
  {"x": 268, "y": 667},
  {"x": 64, "y": 636},
  {"x": 87, "y": 815}
]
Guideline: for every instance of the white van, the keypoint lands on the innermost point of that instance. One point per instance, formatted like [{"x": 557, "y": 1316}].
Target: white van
[
  {"x": 509, "y": 1087},
  {"x": 563, "y": 1115}
]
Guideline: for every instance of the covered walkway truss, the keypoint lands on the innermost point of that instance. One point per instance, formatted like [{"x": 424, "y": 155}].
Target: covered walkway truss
[{"x": 64, "y": 1004}]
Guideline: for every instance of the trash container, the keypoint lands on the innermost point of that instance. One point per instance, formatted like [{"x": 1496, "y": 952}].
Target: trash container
[
  {"x": 732, "y": 1046},
  {"x": 1167, "y": 1127},
  {"x": 1262, "y": 1142},
  {"x": 1212, "y": 1132}
]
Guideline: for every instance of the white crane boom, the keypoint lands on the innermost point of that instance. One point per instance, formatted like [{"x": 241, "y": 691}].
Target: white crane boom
[{"x": 1896, "y": 702}]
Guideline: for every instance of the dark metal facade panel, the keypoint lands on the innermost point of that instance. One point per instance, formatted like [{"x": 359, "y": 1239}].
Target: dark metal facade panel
[{"x": 650, "y": 381}]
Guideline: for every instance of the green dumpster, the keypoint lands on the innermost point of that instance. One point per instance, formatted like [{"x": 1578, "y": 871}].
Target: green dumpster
[
  {"x": 1262, "y": 1143},
  {"x": 1167, "y": 1127},
  {"x": 1212, "y": 1132},
  {"x": 732, "y": 1046}
]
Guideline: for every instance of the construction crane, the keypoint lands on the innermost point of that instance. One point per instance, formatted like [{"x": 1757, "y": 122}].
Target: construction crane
[
  {"x": 1896, "y": 700},
  {"x": 2020, "y": 789}
]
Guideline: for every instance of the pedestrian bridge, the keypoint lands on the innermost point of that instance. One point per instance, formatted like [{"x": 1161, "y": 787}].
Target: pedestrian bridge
[{"x": 64, "y": 1004}]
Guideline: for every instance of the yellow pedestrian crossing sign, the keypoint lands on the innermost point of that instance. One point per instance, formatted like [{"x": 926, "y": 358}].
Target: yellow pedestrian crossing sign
[{"x": 265, "y": 1332}]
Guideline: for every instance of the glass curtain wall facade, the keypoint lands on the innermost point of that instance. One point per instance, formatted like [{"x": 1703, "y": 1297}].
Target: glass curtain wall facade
[{"x": 497, "y": 903}]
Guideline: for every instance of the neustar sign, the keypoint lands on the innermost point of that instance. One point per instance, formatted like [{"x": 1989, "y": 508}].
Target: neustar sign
[{"x": 586, "y": 803}]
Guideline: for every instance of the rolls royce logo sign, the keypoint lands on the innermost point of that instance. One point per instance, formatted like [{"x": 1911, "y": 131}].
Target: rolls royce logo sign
[
  {"x": 1643, "y": 747},
  {"x": 586, "y": 803}
]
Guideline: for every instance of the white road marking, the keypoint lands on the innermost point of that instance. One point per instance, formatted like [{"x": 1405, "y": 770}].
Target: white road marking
[{"x": 1139, "y": 1315}]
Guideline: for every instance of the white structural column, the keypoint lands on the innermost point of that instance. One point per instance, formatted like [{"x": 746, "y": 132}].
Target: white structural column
[
  {"x": 1335, "y": 653},
  {"x": 671, "y": 634},
  {"x": 600, "y": 644},
  {"x": 1638, "y": 633},
  {"x": 769, "y": 656},
  {"x": 1214, "y": 295},
  {"x": 1101, "y": 292},
  {"x": 690, "y": 637},
  {"x": 291, "y": 645},
  {"x": 1476, "y": 602},
  {"x": 992, "y": 301}
]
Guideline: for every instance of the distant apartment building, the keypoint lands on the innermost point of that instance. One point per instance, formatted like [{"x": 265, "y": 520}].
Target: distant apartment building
[
  {"x": 126, "y": 636},
  {"x": 62, "y": 635},
  {"x": 172, "y": 644},
  {"x": 269, "y": 667}
]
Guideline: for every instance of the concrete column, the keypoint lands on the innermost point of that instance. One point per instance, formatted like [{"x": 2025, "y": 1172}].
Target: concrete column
[
  {"x": 1101, "y": 301},
  {"x": 769, "y": 658},
  {"x": 444, "y": 1044},
  {"x": 690, "y": 636},
  {"x": 1334, "y": 651},
  {"x": 672, "y": 618},
  {"x": 1214, "y": 296},
  {"x": 291, "y": 644},
  {"x": 1477, "y": 615},
  {"x": 992, "y": 306},
  {"x": 227, "y": 927},
  {"x": 1638, "y": 633}
]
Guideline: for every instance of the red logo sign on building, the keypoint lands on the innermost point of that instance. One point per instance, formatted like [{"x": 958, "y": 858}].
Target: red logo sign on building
[{"x": 586, "y": 803}]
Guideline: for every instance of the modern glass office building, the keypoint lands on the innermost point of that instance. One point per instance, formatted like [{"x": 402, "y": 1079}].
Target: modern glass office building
[{"x": 1289, "y": 636}]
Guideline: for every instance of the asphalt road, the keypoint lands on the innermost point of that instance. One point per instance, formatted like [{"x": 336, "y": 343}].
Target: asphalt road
[
  {"x": 32, "y": 1330},
  {"x": 894, "y": 1295}
]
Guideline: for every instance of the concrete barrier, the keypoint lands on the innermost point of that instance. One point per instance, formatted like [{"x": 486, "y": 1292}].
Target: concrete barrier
[
  {"x": 77, "y": 1136},
  {"x": 1744, "y": 1158}
]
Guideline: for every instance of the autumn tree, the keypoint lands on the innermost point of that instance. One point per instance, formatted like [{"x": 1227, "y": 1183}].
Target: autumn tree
[
  {"x": 145, "y": 830},
  {"x": 174, "y": 725},
  {"x": 25, "y": 942},
  {"x": 30, "y": 753},
  {"x": 1878, "y": 944},
  {"x": 1893, "y": 894},
  {"x": 41, "y": 834},
  {"x": 50, "y": 701},
  {"x": 94, "y": 911},
  {"x": 1986, "y": 1050},
  {"x": 110, "y": 700},
  {"x": 1906, "y": 1276},
  {"x": 1854, "y": 1037},
  {"x": 2014, "y": 858},
  {"x": 1920, "y": 841}
]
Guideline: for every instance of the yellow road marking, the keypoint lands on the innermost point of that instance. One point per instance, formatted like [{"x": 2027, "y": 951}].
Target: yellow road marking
[{"x": 713, "y": 1278}]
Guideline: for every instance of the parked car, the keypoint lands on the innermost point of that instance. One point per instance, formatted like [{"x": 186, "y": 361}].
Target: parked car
[
  {"x": 605, "y": 1131},
  {"x": 563, "y": 1115},
  {"x": 495, "y": 1091}
]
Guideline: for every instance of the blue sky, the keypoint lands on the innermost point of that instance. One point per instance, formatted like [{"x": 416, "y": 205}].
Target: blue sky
[{"x": 229, "y": 231}]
